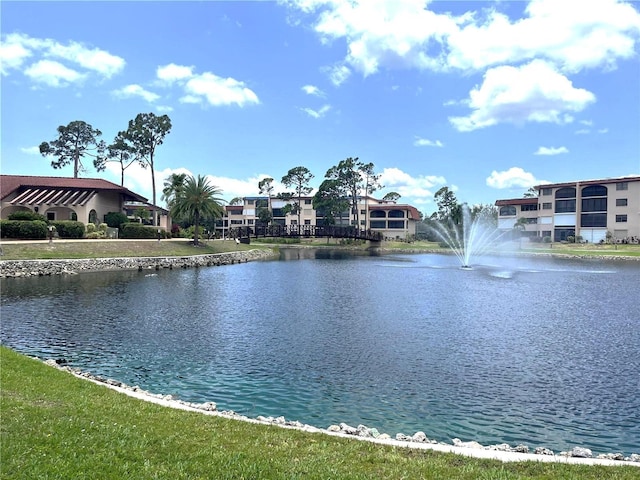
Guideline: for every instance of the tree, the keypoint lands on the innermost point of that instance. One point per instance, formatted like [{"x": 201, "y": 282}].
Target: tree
[
  {"x": 76, "y": 140},
  {"x": 371, "y": 184},
  {"x": 391, "y": 197},
  {"x": 330, "y": 201},
  {"x": 197, "y": 200},
  {"x": 236, "y": 201},
  {"x": 119, "y": 151},
  {"x": 172, "y": 187},
  {"x": 354, "y": 176},
  {"x": 145, "y": 133},
  {"x": 298, "y": 178},
  {"x": 265, "y": 186},
  {"x": 531, "y": 193},
  {"x": 448, "y": 207}
]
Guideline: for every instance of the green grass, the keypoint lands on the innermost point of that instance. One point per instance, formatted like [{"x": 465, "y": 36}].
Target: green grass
[
  {"x": 56, "y": 426},
  {"x": 113, "y": 249}
]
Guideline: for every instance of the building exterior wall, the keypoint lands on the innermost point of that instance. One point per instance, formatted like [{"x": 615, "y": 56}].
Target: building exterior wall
[{"x": 592, "y": 210}]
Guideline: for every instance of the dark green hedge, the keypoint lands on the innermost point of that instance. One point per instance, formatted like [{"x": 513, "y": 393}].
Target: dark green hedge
[
  {"x": 69, "y": 228},
  {"x": 26, "y": 215},
  {"x": 36, "y": 229},
  {"x": 115, "y": 219},
  {"x": 137, "y": 230}
]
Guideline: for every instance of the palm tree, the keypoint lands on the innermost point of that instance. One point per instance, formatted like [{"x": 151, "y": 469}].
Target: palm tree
[
  {"x": 173, "y": 184},
  {"x": 197, "y": 199}
]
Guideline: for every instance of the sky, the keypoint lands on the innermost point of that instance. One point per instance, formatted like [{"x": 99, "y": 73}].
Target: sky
[{"x": 486, "y": 98}]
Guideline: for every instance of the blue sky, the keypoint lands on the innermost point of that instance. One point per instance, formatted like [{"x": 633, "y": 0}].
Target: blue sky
[{"x": 487, "y": 98}]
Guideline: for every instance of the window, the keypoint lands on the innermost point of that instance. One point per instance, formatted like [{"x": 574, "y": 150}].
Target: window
[
  {"x": 568, "y": 192},
  {"x": 546, "y": 191},
  {"x": 546, "y": 206},
  {"x": 262, "y": 203},
  {"x": 250, "y": 202},
  {"x": 236, "y": 212},
  {"x": 363, "y": 222},
  {"x": 529, "y": 208},
  {"x": 565, "y": 206},
  {"x": 307, "y": 201},
  {"x": 546, "y": 233},
  {"x": 378, "y": 224},
  {"x": 73, "y": 216},
  {"x": 621, "y": 218},
  {"x": 396, "y": 214},
  {"x": 561, "y": 234},
  {"x": 307, "y": 222},
  {"x": 622, "y": 186},
  {"x": 51, "y": 216},
  {"x": 508, "y": 211},
  {"x": 396, "y": 223},
  {"x": 594, "y": 191},
  {"x": 294, "y": 222},
  {"x": 532, "y": 221},
  {"x": 93, "y": 216},
  {"x": 377, "y": 214},
  {"x": 594, "y": 204},
  {"x": 250, "y": 221},
  {"x": 363, "y": 212},
  {"x": 277, "y": 212},
  {"x": 236, "y": 222},
  {"x": 593, "y": 220},
  {"x": 621, "y": 202}
]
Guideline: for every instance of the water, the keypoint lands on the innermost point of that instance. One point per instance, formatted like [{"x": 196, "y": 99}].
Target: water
[{"x": 537, "y": 351}]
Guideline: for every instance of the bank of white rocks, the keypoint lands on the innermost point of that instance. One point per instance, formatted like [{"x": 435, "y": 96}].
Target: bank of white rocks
[
  {"x": 31, "y": 268},
  {"x": 503, "y": 451}
]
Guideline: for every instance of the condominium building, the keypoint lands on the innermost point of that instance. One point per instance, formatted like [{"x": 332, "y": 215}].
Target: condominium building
[
  {"x": 393, "y": 221},
  {"x": 593, "y": 210}
]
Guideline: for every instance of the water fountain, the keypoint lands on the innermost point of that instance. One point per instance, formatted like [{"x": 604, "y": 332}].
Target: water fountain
[{"x": 472, "y": 238}]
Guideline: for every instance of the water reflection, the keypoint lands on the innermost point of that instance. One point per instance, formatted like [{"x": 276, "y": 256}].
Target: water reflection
[{"x": 546, "y": 354}]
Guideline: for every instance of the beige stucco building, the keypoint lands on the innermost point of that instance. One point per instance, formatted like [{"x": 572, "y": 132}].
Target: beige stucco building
[
  {"x": 592, "y": 210},
  {"x": 393, "y": 221},
  {"x": 86, "y": 200}
]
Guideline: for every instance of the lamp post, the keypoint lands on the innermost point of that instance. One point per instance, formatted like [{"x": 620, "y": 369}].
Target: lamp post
[
  {"x": 158, "y": 235},
  {"x": 51, "y": 234}
]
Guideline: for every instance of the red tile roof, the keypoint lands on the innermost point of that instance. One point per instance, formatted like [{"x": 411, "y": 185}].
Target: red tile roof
[{"x": 11, "y": 183}]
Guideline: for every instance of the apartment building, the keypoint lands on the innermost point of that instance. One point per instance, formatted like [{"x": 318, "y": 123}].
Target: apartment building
[
  {"x": 393, "y": 221},
  {"x": 589, "y": 209}
]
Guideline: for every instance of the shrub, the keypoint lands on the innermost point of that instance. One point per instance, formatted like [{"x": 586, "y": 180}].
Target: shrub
[
  {"x": 69, "y": 229},
  {"x": 35, "y": 229},
  {"x": 26, "y": 215},
  {"x": 546, "y": 239},
  {"x": 90, "y": 228},
  {"x": 571, "y": 239},
  {"x": 137, "y": 230},
  {"x": 115, "y": 219},
  {"x": 103, "y": 227}
]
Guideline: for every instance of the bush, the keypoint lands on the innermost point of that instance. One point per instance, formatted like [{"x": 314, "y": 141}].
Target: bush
[
  {"x": 115, "y": 219},
  {"x": 90, "y": 228},
  {"x": 571, "y": 239},
  {"x": 137, "y": 230},
  {"x": 26, "y": 215},
  {"x": 69, "y": 229},
  {"x": 546, "y": 239},
  {"x": 35, "y": 229}
]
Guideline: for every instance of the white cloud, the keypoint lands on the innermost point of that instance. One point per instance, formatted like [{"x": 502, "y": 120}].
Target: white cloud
[
  {"x": 317, "y": 113},
  {"x": 30, "y": 150},
  {"x": 313, "y": 90},
  {"x": 172, "y": 73},
  {"x": 218, "y": 91},
  {"x": 338, "y": 74},
  {"x": 603, "y": 130},
  {"x": 551, "y": 150},
  {"x": 53, "y": 74},
  {"x": 136, "y": 91},
  {"x": 583, "y": 131},
  {"x": 535, "y": 92},
  {"x": 512, "y": 178},
  {"x": 416, "y": 190},
  {"x": 405, "y": 33},
  {"x": 423, "y": 142},
  {"x": 164, "y": 108},
  {"x": 59, "y": 59}
]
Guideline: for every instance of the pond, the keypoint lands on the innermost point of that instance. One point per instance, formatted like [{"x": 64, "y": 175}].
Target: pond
[{"x": 539, "y": 351}]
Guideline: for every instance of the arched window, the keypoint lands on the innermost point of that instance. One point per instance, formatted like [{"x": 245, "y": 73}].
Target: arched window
[
  {"x": 508, "y": 211},
  {"x": 594, "y": 191},
  {"x": 568, "y": 192},
  {"x": 93, "y": 217},
  {"x": 396, "y": 214},
  {"x": 378, "y": 214}
]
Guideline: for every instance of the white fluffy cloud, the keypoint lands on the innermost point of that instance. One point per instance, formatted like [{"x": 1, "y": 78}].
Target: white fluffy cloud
[
  {"x": 206, "y": 87},
  {"x": 136, "y": 91},
  {"x": 534, "y": 92},
  {"x": 56, "y": 64},
  {"x": 515, "y": 177},
  {"x": 317, "y": 113},
  {"x": 424, "y": 142},
  {"x": 313, "y": 90},
  {"x": 551, "y": 150},
  {"x": 416, "y": 190}
]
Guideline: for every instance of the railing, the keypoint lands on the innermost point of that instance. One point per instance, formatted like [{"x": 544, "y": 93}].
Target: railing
[{"x": 335, "y": 231}]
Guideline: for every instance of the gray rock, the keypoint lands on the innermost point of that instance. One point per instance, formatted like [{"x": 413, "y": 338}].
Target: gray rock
[
  {"x": 521, "y": 449},
  {"x": 581, "y": 452},
  {"x": 420, "y": 437},
  {"x": 333, "y": 428},
  {"x": 543, "y": 451}
]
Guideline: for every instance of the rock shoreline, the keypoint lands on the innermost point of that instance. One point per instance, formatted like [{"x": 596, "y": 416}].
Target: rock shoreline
[
  {"x": 503, "y": 451},
  {"x": 40, "y": 268}
]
